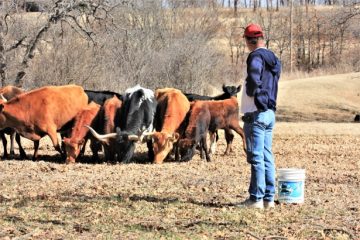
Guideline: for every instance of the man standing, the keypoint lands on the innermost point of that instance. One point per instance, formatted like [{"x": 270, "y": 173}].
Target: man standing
[{"x": 258, "y": 104}]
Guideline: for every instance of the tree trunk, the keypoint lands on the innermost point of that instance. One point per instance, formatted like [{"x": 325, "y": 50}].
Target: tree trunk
[
  {"x": 235, "y": 7},
  {"x": 291, "y": 33},
  {"x": 2, "y": 56}
]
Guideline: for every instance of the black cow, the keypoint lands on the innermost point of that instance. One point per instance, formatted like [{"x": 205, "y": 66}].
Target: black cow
[
  {"x": 357, "y": 118},
  {"x": 137, "y": 115},
  {"x": 229, "y": 91},
  {"x": 7, "y": 93},
  {"x": 100, "y": 97},
  {"x": 13, "y": 135}
]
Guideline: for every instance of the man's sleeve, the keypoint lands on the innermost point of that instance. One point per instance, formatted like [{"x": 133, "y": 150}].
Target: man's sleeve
[{"x": 254, "y": 70}]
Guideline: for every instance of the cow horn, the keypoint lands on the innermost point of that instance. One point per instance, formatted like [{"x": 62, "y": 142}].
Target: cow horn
[
  {"x": 3, "y": 98},
  {"x": 133, "y": 138},
  {"x": 146, "y": 136},
  {"x": 101, "y": 137}
]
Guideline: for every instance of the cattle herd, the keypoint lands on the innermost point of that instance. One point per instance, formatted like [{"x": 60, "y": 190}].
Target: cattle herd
[{"x": 167, "y": 120}]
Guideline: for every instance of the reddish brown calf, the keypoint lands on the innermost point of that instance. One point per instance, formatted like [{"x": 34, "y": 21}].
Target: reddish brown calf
[
  {"x": 225, "y": 115},
  {"x": 78, "y": 137}
]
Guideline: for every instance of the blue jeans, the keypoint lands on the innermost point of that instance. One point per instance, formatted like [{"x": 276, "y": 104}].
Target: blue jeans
[{"x": 258, "y": 133}]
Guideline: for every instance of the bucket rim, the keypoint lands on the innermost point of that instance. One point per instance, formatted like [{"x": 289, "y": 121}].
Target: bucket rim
[{"x": 291, "y": 170}]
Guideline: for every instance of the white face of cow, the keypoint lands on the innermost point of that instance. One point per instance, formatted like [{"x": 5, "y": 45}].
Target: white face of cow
[{"x": 148, "y": 94}]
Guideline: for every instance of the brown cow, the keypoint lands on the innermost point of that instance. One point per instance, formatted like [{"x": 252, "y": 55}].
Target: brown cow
[
  {"x": 196, "y": 131},
  {"x": 42, "y": 112},
  {"x": 170, "y": 113},
  {"x": 225, "y": 115},
  {"x": 8, "y": 93},
  {"x": 87, "y": 116},
  {"x": 112, "y": 108}
]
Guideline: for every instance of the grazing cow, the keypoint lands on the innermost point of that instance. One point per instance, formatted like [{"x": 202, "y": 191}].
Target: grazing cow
[
  {"x": 224, "y": 115},
  {"x": 8, "y": 93},
  {"x": 357, "y": 118},
  {"x": 170, "y": 113},
  {"x": 196, "y": 132},
  {"x": 87, "y": 116},
  {"x": 42, "y": 112},
  {"x": 137, "y": 115},
  {"x": 112, "y": 109},
  {"x": 229, "y": 91},
  {"x": 100, "y": 97}
]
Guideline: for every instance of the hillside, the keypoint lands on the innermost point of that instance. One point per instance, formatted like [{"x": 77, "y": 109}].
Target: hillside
[{"x": 334, "y": 98}]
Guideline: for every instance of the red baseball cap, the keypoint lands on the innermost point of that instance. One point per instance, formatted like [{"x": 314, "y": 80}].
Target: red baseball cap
[{"x": 253, "y": 30}]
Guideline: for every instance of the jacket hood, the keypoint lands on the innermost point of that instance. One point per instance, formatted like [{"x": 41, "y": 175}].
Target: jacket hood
[{"x": 271, "y": 60}]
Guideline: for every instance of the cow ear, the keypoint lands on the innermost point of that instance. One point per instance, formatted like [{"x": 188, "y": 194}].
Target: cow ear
[
  {"x": 238, "y": 88},
  {"x": 1, "y": 107}
]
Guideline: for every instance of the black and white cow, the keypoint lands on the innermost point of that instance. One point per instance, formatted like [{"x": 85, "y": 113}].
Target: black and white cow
[{"x": 136, "y": 119}]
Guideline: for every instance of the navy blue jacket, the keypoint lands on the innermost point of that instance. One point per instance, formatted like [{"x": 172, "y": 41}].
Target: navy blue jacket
[{"x": 263, "y": 69}]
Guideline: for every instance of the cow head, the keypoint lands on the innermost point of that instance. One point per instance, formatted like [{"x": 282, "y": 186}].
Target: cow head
[
  {"x": 72, "y": 148},
  {"x": 162, "y": 144},
  {"x": 2, "y": 117},
  {"x": 187, "y": 149},
  {"x": 231, "y": 90}
]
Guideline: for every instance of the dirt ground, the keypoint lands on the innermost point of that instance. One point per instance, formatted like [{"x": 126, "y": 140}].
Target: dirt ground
[{"x": 194, "y": 200}]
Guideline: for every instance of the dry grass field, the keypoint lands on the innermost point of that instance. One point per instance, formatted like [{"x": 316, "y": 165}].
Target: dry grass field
[
  {"x": 334, "y": 98},
  {"x": 195, "y": 200}
]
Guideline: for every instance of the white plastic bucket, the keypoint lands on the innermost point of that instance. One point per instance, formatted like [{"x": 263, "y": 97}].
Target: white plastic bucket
[{"x": 291, "y": 185}]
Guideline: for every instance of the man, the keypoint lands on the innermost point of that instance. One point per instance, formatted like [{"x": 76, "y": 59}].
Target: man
[{"x": 258, "y": 104}]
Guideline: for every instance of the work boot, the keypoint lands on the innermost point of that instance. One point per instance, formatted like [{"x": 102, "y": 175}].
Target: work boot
[
  {"x": 248, "y": 203},
  {"x": 268, "y": 204}
]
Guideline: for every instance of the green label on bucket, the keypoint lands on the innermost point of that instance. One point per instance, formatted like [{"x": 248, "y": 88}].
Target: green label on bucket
[{"x": 290, "y": 191}]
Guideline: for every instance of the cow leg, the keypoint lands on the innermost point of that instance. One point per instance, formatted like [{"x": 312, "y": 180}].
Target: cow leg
[
  {"x": 4, "y": 141},
  {"x": 109, "y": 153},
  {"x": 84, "y": 147},
  {"x": 229, "y": 136},
  {"x": 12, "y": 138},
  {"x": 95, "y": 147},
  {"x": 205, "y": 148},
  {"x": 151, "y": 154},
  {"x": 201, "y": 149},
  {"x": 62, "y": 135},
  {"x": 21, "y": 149},
  {"x": 212, "y": 142},
  {"x": 36, "y": 149},
  {"x": 236, "y": 127},
  {"x": 176, "y": 151},
  {"x": 54, "y": 138}
]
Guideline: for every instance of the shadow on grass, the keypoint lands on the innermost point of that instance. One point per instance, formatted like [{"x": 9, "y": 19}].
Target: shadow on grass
[
  {"x": 23, "y": 201},
  {"x": 138, "y": 158},
  {"x": 156, "y": 199}
]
